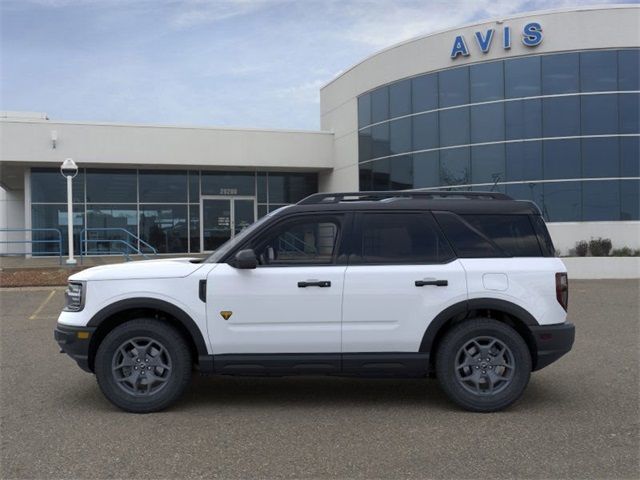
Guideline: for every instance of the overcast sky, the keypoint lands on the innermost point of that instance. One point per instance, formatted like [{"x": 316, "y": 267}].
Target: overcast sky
[{"x": 248, "y": 63}]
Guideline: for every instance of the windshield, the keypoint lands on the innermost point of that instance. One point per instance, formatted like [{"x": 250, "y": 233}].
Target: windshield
[{"x": 230, "y": 244}]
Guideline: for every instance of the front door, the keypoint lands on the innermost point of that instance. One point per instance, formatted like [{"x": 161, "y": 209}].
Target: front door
[{"x": 221, "y": 218}]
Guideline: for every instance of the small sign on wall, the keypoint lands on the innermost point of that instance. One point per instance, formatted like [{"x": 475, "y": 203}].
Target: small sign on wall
[{"x": 228, "y": 191}]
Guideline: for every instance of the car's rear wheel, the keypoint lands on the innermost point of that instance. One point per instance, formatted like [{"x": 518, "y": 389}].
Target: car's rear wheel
[
  {"x": 143, "y": 366},
  {"x": 483, "y": 365}
]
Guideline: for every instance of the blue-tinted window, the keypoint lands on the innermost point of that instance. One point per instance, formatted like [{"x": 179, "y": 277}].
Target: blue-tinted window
[
  {"x": 629, "y": 112},
  {"x": 629, "y": 70},
  {"x": 194, "y": 186},
  {"x": 426, "y": 169},
  {"x": 53, "y": 216},
  {"x": 523, "y": 119},
  {"x": 365, "y": 145},
  {"x": 381, "y": 172},
  {"x": 454, "y": 126},
  {"x": 401, "y": 172},
  {"x": 400, "y": 99},
  {"x": 365, "y": 176},
  {"x": 48, "y": 185},
  {"x": 526, "y": 191},
  {"x": 194, "y": 225},
  {"x": 380, "y": 140},
  {"x": 425, "y": 131},
  {"x": 522, "y": 77},
  {"x": 630, "y": 156},
  {"x": 600, "y": 201},
  {"x": 487, "y": 123},
  {"x": 561, "y": 159},
  {"x": 291, "y": 187},
  {"x": 112, "y": 186},
  {"x": 561, "y": 116},
  {"x": 380, "y": 104},
  {"x": 487, "y": 82},
  {"x": 600, "y": 157},
  {"x": 228, "y": 183},
  {"x": 599, "y": 71},
  {"x": 159, "y": 186},
  {"x": 487, "y": 164},
  {"x": 629, "y": 200},
  {"x": 424, "y": 91},
  {"x": 454, "y": 166},
  {"x": 118, "y": 219},
  {"x": 599, "y": 114},
  {"x": 562, "y": 202},
  {"x": 514, "y": 234},
  {"x": 524, "y": 161},
  {"x": 400, "y": 135},
  {"x": 261, "y": 186},
  {"x": 454, "y": 87},
  {"x": 560, "y": 73},
  {"x": 364, "y": 110},
  {"x": 165, "y": 227}
]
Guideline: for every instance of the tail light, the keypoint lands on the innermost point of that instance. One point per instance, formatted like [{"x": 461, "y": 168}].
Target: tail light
[{"x": 562, "y": 289}]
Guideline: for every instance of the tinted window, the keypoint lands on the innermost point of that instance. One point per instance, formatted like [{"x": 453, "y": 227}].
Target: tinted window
[
  {"x": 380, "y": 140},
  {"x": 365, "y": 177},
  {"x": 112, "y": 186},
  {"x": 561, "y": 159},
  {"x": 487, "y": 164},
  {"x": 454, "y": 127},
  {"x": 560, "y": 73},
  {"x": 523, "y": 161},
  {"x": 523, "y": 119},
  {"x": 226, "y": 183},
  {"x": 401, "y": 172},
  {"x": 467, "y": 242},
  {"x": 401, "y": 238},
  {"x": 48, "y": 185},
  {"x": 544, "y": 239},
  {"x": 561, "y": 116},
  {"x": 600, "y": 157},
  {"x": 364, "y": 110},
  {"x": 53, "y": 216},
  {"x": 426, "y": 167},
  {"x": 424, "y": 92},
  {"x": 629, "y": 112},
  {"x": 562, "y": 201},
  {"x": 599, "y": 114},
  {"x": 365, "y": 145},
  {"x": 454, "y": 87},
  {"x": 526, "y": 191},
  {"x": 163, "y": 186},
  {"x": 380, "y": 178},
  {"x": 487, "y": 82},
  {"x": 487, "y": 123},
  {"x": 165, "y": 227},
  {"x": 600, "y": 201},
  {"x": 629, "y": 205},
  {"x": 400, "y": 99},
  {"x": 380, "y": 105},
  {"x": 630, "y": 156},
  {"x": 291, "y": 187},
  {"x": 194, "y": 187},
  {"x": 522, "y": 77},
  {"x": 512, "y": 233},
  {"x": 598, "y": 71},
  {"x": 454, "y": 166},
  {"x": 400, "y": 135},
  {"x": 425, "y": 131},
  {"x": 629, "y": 70}
]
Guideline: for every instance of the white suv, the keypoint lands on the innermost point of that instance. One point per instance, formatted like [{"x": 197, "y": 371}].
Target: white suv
[{"x": 463, "y": 286}]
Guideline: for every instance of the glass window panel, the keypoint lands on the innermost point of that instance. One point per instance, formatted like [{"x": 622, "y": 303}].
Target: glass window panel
[
  {"x": 400, "y": 99},
  {"x": 561, "y": 116},
  {"x": 113, "y": 221},
  {"x": 261, "y": 185},
  {"x": 522, "y": 77},
  {"x": 487, "y": 82},
  {"x": 512, "y": 233},
  {"x": 630, "y": 156},
  {"x": 165, "y": 227},
  {"x": 365, "y": 145},
  {"x": 401, "y": 172},
  {"x": 466, "y": 242},
  {"x": 600, "y": 157},
  {"x": 599, "y": 71},
  {"x": 426, "y": 169},
  {"x": 365, "y": 180},
  {"x": 454, "y": 87},
  {"x": 262, "y": 210},
  {"x": 629, "y": 112},
  {"x": 194, "y": 227},
  {"x": 526, "y": 191},
  {"x": 562, "y": 159},
  {"x": 53, "y": 216},
  {"x": 228, "y": 183},
  {"x": 194, "y": 186},
  {"x": 291, "y": 187},
  {"x": 400, "y": 135},
  {"x": 487, "y": 164},
  {"x": 454, "y": 127},
  {"x": 424, "y": 93},
  {"x": 48, "y": 185},
  {"x": 380, "y": 140},
  {"x": 629, "y": 70},
  {"x": 523, "y": 119},
  {"x": 112, "y": 186},
  {"x": 454, "y": 166},
  {"x": 629, "y": 200},
  {"x": 600, "y": 201},
  {"x": 425, "y": 131},
  {"x": 560, "y": 73},
  {"x": 381, "y": 172},
  {"x": 380, "y": 105},
  {"x": 599, "y": 114},
  {"x": 163, "y": 186},
  {"x": 562, "y": 202},
  {"x": 364, "y": 110},
  {"x": 487, "y": 123},
  {"x": 523, "y": 161}
]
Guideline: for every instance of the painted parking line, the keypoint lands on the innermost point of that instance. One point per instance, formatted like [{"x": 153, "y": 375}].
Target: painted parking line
[{"x": 42, "y": 305}]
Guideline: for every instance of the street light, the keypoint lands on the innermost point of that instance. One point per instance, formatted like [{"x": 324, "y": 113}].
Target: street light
[{"x": 69, "y": 169}]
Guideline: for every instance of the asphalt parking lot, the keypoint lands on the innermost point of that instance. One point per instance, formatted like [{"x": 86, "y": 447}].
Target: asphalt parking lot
[{"x": 578, "y": 419}]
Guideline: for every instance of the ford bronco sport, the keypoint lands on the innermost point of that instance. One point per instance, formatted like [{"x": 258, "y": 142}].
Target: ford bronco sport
[{"x": 464, "y": 286}]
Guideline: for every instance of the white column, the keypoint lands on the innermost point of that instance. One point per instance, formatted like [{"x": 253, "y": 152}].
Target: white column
[{"x": 70, "y": 260}]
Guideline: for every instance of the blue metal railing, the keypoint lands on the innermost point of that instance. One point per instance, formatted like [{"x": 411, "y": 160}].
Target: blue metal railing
[
  {"x": 131, "y": 243},
  {"x": 57, "y": 240}
]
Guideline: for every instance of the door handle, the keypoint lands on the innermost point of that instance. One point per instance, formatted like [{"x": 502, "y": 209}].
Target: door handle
[
  {"x": 314, "y": 283},
  {"x": 437, "y": 283}
]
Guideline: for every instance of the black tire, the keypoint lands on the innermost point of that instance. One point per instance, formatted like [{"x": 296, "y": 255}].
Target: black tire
[
  {"x": 478, "y": 394},
  {"x": 171, "y": 370}
]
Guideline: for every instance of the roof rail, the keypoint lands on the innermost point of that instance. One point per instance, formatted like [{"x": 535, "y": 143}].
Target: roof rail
[{"x": 317, "y": 198}]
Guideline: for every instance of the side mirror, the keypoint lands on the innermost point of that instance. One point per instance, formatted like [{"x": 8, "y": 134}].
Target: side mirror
[{"x": 246, "y": 259}]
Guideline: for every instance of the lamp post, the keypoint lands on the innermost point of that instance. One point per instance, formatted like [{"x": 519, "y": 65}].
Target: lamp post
[{"x": 69, "y": 169}]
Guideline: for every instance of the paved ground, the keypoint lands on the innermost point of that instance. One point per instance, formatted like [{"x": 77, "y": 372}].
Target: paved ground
[{"x": 578, "y": 419}]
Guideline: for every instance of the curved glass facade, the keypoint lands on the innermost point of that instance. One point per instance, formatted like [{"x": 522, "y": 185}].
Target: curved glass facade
[{"x": 559, "y": 129}]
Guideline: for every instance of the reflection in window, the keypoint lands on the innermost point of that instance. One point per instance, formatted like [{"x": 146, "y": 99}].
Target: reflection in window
[
  {"x": 425, "y": 131},
  {"x": 400, "y": 99},
  {"x": 111, "y": 224},
  {"x": 561, "y": 116},
  {"x": 48, "y": 185},
  {"x": 400, "y": 135},
  {"x": 380, "y": 104},
  {"x": 562, "y": 202},
  {"x": 487, "y": 82},
  {"x": 401, "y": 172},
  {"x": 454, "y": 127},
  {"x": 523, "y": 161},
  {"x": 364, "y": 110},
  {"x": 194, "y": 227},
  {"x": 424, "y": 93},
  {"x": 629, "y": 204},
  {"x": 454, "y": 87},
  {"x": 561, "y": 159},
  {"x": 629, "y": 112},
  {"x": 381, "y": 172},
  {"x": 165, "y": 227},
  {"x": 454, "y": 166},
  {"x": 629, "y": 69},
  {"x": 560, "y": 73},
  {"x": 526, "y": 191},
  {"x": 112, "y": 186},
  {"x": 365, "y": 176},
  {"x": 599, "y": 114},
  {"x": 487, "y": 164},
  {"x": 600, "y": 201},
  {"x": 53, "y": 216},
  {"x": 365, "y": 145},
  {"x": 599, "y": 71},
  {"x": 523, "y": 119},
  {"x": 630, "y": 156},
  {"x": 380, "y": 140},
  {"x": 522, "y": 77},
  {"x": 426, "y": 169},
  {"x": 291, "y": 187},
  {"x": 194, "y": 186},
  {"x": 600, "y": 157},
  {"x": 487, "y": 123},
  {"x": 163, "y": 186},
  {"x": 308, "y": 243}
]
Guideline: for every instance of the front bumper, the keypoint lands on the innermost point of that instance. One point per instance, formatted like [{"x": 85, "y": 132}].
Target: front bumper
[
  {"x": 552, "y": 342},
  {"x": 75, "y": 341}
]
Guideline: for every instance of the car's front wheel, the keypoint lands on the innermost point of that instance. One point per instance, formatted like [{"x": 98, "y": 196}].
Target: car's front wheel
[
  {"x": 143, "y": 365},
  {"x": 483, "y": 365}
]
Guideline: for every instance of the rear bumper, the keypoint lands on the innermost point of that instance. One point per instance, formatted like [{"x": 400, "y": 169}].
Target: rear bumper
[
  {"x": 74, "y": 341},
  {"x": 552, "y": 342}
]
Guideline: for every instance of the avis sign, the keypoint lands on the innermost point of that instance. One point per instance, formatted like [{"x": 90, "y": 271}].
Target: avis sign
[{"x": 531, "y": 37}]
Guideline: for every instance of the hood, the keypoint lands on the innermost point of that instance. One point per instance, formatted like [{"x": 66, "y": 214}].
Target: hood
[{"x": 144, "y": 269}]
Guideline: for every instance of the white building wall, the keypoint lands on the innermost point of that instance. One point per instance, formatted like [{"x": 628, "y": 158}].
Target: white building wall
[{"x": 11, "y": 216}]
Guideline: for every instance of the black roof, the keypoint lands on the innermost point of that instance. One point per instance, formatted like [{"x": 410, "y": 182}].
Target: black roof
[{"x": 457, "y": 202}]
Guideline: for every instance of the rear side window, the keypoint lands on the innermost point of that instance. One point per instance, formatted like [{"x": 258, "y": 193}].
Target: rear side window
[
  {"x": 544, "y": 239},
  {"x": 400, "y": 238},
  {"x": 512, "y": 233},
  {"x": 467, "y": 241}
]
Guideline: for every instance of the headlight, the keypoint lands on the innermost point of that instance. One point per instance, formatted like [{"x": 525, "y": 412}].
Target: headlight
[{"x": 74, "y": 297}]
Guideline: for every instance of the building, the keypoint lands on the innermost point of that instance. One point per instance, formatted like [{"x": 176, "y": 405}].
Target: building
[{"x": 543, "y": 106}]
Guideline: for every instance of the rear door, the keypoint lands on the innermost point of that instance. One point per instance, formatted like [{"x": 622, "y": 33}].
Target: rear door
[{"x": 401, "y": 274}]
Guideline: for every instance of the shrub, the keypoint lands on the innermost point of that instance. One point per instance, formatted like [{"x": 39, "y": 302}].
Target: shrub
[
  {"x": 600, "y": 247},
  {"x": 622, "y": 252},
  {"x": 582, "y": 247}
]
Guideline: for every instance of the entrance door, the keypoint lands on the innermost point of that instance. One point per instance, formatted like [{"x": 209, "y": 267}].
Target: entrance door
[{"x": 221, "y": 218}]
